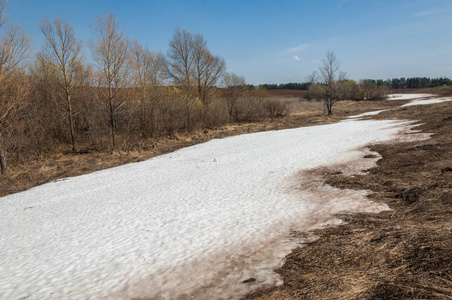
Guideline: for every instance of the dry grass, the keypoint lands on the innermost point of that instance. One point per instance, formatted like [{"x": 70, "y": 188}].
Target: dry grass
[{"x": 401, "y": 254}]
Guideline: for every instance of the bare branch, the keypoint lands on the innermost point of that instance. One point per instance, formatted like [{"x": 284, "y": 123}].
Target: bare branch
[
  {"x": 14, "y": 48},
  {"x": 3, "y": 4}
]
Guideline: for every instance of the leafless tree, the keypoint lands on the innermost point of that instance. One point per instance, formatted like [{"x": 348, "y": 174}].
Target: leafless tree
[
  {"x": 14, "y": 47},
  {"x": 191, "y": 65},
  {"x": 110, "y": 51},
  {"x": 234, "y": 89},
  {"x": 179, "y": 66},
  {"x": 62, "y": 52},
  {"x": 329, "y": 76},
  {"x": 147, "y": 68},
  {"x": 208, "y": 69}
]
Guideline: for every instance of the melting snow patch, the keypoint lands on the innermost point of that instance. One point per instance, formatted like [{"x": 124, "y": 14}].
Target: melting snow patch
[
  {"x": 371, "y": 113},
  {"x": 427, "y": 101},
  {"x": 407, "y": 96},
  {"x": 198, "y": 221}
]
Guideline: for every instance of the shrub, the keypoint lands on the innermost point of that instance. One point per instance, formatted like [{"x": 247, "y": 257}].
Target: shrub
[{"x": 276, "y": 107}]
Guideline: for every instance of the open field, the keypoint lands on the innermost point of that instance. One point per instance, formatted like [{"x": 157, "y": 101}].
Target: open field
[
  {"x": 390, "y": 255},
  {"x": 404, "y": 253}
]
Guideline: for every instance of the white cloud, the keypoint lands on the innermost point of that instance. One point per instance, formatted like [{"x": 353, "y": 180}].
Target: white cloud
[
  {"x": 296, "y": 58},
  {"x": 424, "y": 13},
  {"x": 298, "y": 48}
]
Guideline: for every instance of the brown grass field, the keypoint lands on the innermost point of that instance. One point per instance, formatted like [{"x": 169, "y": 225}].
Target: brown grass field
[
  {"x": 401, "y": 254},
  {"x": 287, "y": 93}
]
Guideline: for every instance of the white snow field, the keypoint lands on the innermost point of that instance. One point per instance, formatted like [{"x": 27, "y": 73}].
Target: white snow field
[
  {"x": 367, "y": 114},
  {"x": 198, "y": 220}
]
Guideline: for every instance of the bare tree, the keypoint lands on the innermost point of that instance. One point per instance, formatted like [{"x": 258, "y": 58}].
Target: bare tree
[
  {"x": 14, "y": 47},
  {"x": 208, "y": 69},
  {"x": 147, "y": 70},
  {"x": 235, "y": 88},
  {"x": 62, "y": 52},
  {"x": 179, "y": 66},
  {"x": 328, "y": 72},
  {"x": 191, "y": 65},
  {"x": 110, "y": 51}
]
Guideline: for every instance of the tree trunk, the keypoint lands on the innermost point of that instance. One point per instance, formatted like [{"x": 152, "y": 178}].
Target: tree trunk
[
  {"x": 71, "y": 125},
  {"x": 112, "y": 125},
  {"x": 329, "y": 105},
  {"x": 143, "y": 120},
  {"x": 188, "y": 118},
  {"x": 3, "y": 166},
  {"x": 112, "y": 117}
]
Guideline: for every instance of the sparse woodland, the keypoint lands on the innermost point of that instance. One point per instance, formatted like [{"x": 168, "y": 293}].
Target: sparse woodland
[{"x": 127, "y": 97}]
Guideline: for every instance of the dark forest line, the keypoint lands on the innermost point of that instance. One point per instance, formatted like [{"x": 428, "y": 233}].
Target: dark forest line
[{"x": 394, "y": 83}]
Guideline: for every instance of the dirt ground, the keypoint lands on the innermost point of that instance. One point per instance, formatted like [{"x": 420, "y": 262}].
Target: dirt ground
[{"x": 405, "y": 253}]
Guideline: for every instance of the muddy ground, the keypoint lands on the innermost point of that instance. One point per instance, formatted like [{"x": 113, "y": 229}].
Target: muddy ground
[{"x": 405, "y": 253}]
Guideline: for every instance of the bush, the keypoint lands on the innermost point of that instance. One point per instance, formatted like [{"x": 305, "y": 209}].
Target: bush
[
  {"x": 250, "y": 109},
  {"x": 276, "y": 108},
  {"x": 216, "y": 113}
]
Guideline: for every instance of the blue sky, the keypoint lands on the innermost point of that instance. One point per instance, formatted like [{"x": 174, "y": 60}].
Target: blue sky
[{"x": 277, "y": 41}]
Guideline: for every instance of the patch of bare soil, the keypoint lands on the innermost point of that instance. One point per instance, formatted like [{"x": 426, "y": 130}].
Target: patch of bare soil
[
  {"x": 405, "y": 253},
  {"x": 65, "y": 163}
]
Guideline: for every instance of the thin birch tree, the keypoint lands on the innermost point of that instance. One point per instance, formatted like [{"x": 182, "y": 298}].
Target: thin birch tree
[
  {"x": 147, "y": 68},
  {"x": 62, "y": 52},
  {"x": 110, "y": 50}
]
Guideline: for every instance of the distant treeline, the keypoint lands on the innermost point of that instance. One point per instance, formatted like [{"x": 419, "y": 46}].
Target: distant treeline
[
  {"x": 394, "y": 83},
  {"x": 286, "y": 86},
  {"x": 412, "y": 82}
]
